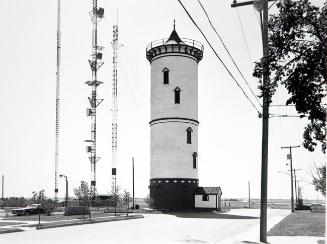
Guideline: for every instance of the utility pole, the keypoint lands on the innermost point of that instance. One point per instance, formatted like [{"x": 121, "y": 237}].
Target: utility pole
[
  {"x": 133, "y": 184},
  {"x": 296, "y": 192},
  {"x": 3, "y": 188},
  {"x": 249, "y": 194},
  {"x": 262, "y": 7},
  {"x": 289, "y": 156},
  {"x": 66, "y": 198}
]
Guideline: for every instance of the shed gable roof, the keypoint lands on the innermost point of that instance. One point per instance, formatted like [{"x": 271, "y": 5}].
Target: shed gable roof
[{"x": 208, "y": 191}]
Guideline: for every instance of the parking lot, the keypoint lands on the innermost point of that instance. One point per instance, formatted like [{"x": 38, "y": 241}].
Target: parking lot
[{"x": 236, "y": 225}]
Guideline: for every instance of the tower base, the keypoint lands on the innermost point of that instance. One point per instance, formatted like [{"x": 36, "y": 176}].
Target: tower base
[{"x": 172, "y": 193}]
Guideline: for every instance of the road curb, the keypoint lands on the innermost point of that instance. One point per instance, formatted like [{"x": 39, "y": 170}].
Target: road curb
[
  {"x": 83, "y": 222},
  {"x": 7, "y": 231}
]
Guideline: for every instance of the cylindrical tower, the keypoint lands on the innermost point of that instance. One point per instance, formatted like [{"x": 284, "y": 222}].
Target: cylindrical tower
[{"x": 174, "y": 121}]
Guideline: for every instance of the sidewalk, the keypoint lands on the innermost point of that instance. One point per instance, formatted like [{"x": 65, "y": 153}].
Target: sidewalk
[
  {"x": 32, "y": 225},
  {"x": 55, "y": 224}
]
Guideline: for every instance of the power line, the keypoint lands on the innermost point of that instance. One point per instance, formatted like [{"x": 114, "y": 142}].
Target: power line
[
  {"x": 219, "y": 57},
  {"x": 257, "y": 17},
  {"x": 282, "y": 105},
  {"x": 289, "y": 105},
  {"x": 244, "y": 38},
  {"x": 272, "y": 4},
  {"x": 287, "y": 116},
  {"x": 229, "y": 54}
]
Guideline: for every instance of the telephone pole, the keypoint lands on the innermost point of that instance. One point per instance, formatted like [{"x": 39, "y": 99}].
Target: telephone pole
[
  {"x": 249, "y": 194},
  {"x": 296, "y": 192},
  {"x": 133, "y": 184},
  {"x": 262, "y": 7},
  {"x": 289, "y": 156},
  {"x": 3, "y": 188}
]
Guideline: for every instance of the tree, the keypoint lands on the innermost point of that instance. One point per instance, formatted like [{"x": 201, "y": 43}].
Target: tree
[
  {"x": 40, "y": 198},
  {"x": 15, "y": 202},
  {"x": 297, "y": 59},
  {"x": 148, "y": 201},
  {"x": 319, "y": 179},
  {"x": 126, "y": 199},
  {"x": 116, "y": 196},
  {"x": 85, "y": 195}
]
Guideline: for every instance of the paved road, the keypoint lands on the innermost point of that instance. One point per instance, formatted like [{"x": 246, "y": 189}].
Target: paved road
[{"x": 237, "y": 225}]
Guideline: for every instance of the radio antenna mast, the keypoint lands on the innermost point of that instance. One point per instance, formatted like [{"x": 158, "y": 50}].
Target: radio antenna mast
[
  {"x": 96, "y": 15},
  {"x": 57, "y": 98},
  {"x": 114, "y": 107}
]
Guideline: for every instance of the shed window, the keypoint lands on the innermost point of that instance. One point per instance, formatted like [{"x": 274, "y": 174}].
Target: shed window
[
  {"x": 165, "y": 72},
  {"x": 194, "y": 155},
  {"x": 205, "y": 197},
  {"x": 189, "y": 135},
  {"x": 177, "y": 91}
]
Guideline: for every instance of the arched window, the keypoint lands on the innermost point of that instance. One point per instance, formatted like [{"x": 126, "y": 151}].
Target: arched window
[
  {"x": 165, "y": 72},
  {"x": 189, "y": 135},
  {"x": 177, "y": 95},
  {"x": 194, "y": 155}
]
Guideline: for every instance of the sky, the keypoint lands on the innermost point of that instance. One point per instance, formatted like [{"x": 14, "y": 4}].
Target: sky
[{"x": 229, "y": 132}]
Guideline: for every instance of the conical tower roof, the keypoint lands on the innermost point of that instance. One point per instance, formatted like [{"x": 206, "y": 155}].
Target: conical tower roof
[{"x": 174, "y": 38}]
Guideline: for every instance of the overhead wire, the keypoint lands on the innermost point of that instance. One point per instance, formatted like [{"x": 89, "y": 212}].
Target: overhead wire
[
  {"x": 229, "y": 54},
  {"x": 132, "y": 98},
  {"x": 272, "y": 4},
  {"x": 257, "y": 17},
  {"x": 221, "y": 61},
  {"x": 281, "y": 105},
  {"x": 287, "y": 116},
  {"x": 244, "y": 38},
  {"x": 138, "y": 85}
]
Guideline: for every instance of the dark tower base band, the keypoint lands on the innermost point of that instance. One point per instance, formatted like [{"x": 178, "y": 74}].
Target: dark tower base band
[{"x": 172, "y": 193}]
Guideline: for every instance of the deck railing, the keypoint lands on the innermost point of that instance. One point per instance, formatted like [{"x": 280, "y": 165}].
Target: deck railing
[{"x": 186, "y": 41}]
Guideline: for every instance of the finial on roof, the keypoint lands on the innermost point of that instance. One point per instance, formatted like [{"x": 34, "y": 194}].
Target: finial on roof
[{"x": 174, "y": 24}]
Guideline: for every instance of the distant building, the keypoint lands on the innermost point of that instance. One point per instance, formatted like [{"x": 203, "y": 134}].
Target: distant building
[{"x": 174, "y": 121}]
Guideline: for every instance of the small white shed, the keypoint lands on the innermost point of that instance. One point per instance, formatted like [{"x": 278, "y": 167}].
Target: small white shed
[{"x": 208, "y": 198}]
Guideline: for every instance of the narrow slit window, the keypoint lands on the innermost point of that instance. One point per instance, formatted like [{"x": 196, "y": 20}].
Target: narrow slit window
[
  {"x": 165, "y": 76},
  {"x": 177, "y": 95},
  {"x": 195, "y": 155},
  {"x": 189, "y": 135}
]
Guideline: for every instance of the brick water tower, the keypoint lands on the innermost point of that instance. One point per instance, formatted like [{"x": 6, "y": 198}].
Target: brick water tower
[{"x": 174, "y": 121}]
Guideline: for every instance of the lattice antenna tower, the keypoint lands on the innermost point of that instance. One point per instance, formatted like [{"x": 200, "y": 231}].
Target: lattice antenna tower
[
  {"x": 95, "y": 64},
  {"x": 57, "y": 98},
  {"x": 114, "y": 107}
]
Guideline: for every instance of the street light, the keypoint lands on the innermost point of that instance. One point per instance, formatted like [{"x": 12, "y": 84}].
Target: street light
[
  {"x": 66, "y": 201},
  {"x": 291, "y": 175}
]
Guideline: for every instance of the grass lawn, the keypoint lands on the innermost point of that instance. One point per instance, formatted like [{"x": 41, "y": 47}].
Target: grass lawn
[{"x": 300, "y": 223}]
